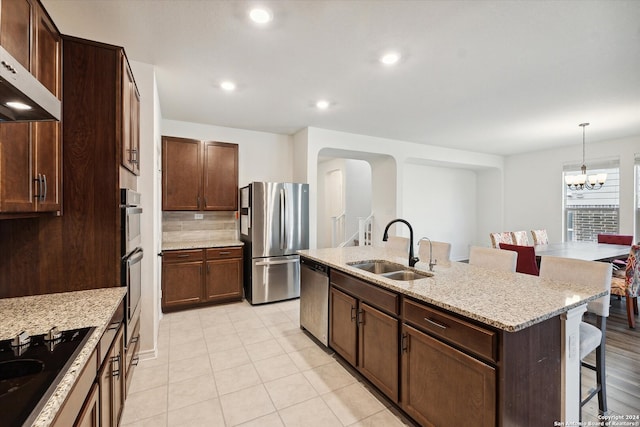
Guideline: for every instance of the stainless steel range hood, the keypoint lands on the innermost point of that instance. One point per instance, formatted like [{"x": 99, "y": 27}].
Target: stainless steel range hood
[{"x": 20, "y": 86}]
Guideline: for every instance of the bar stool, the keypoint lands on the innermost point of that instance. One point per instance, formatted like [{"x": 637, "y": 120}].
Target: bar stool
[{"x": 591, "y": 337}]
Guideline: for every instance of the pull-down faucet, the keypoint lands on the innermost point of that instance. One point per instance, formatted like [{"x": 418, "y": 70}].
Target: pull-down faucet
[
  {"x": 385, "y": 237},
  {"x": 432, "y": 262}
]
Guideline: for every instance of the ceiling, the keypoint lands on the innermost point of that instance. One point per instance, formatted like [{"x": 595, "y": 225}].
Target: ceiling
[{"x": 501, "y": 77}]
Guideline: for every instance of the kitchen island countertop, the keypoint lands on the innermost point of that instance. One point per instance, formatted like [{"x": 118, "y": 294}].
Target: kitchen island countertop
[
  {"x": 507, "y": 301},
  {"x": 67, "y": 310}
]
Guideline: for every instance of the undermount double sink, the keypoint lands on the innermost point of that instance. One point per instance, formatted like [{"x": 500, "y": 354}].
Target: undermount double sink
[{"x": 390, "y": 270}]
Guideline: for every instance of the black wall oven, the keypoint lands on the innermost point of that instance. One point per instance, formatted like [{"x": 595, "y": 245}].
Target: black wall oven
[{"x": 132, "y": 254}]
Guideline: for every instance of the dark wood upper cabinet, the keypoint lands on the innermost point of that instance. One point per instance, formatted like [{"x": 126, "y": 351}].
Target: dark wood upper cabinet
[
  {"x": 130, "y": 120},
  {"x": 30, "y": 153},
  {"x": 16, "y": 32},
  {"x": 199, "y": 175}
]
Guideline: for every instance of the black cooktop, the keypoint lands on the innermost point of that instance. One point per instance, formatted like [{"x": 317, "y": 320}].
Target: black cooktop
[{"x": 30, "y": 373}]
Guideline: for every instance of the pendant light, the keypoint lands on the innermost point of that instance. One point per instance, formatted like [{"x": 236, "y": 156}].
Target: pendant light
[{"x": 582, "y": 181}]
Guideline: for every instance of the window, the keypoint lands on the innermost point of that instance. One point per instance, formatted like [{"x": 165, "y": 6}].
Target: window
[
  {"x": 590, "y": 212},
  {"x": 637, "y": 203}
]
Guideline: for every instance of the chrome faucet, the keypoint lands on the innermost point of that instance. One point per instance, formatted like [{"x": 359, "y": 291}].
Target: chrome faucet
[
  {"x": 432, "y": 262},
  {"x": 385, "y": 237}
]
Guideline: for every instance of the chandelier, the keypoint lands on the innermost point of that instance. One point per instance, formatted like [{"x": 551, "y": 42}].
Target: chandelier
[{"x": 582, "y": 181}]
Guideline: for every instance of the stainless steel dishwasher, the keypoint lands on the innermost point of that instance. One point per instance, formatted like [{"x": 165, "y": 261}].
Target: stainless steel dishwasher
[{"x": 314, "y": 299}]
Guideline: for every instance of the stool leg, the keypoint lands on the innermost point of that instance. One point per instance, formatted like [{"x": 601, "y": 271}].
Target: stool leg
[
  {"x": 601, "y": 376},
  {"x": 631, "y": 311}
]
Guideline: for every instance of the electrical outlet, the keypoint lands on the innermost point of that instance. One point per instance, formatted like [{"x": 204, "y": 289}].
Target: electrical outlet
[{"x": 199, "y": 216}]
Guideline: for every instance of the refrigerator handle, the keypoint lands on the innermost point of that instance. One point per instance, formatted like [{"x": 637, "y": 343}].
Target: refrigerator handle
[{"x": 282, "y": 220}]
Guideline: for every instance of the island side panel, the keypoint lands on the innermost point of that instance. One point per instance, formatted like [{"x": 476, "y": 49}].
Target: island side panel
[{"x": 530, "y": 375}]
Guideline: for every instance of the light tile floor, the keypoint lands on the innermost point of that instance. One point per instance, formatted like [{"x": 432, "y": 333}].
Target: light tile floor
[{"x": 243, "y": 365}]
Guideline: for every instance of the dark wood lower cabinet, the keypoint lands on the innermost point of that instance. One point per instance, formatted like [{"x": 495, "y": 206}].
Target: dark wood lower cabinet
[
  {"x": 201, "y": 276},
  {"x": 378, "y": 349},
  {"x": 181, "y": 284},
  {"x": 112, "y": 383},
  {"x": 367, "y": 338},
  {"x": 442, "y": 386},
  {"x": 343, "y": 332},
  {"x": 90, "y": 414},
  {"x": 443, "y": 369}
]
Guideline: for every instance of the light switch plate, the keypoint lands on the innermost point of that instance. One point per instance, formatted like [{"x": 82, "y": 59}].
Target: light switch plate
[{"x": 199, "y": 216}]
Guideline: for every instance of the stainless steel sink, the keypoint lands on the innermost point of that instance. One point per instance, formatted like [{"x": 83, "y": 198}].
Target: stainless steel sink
[
  {"x": 390, "y": 270},
  {"x": 378, "y": 267},
  {"x": 406, "y": 275}
]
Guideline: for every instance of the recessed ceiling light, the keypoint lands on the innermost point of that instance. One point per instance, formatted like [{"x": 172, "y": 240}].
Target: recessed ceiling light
[
  {"x": 390, "y": 58},
  {"x": 322, "y": 104},
  {"x": 260, "y": 15},
  {"x": 18, "y": 105},
  {"x": 228, "y": 86}
]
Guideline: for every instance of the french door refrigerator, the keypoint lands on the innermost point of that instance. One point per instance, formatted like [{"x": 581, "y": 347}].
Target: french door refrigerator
[{"x": 274, "y": 224}]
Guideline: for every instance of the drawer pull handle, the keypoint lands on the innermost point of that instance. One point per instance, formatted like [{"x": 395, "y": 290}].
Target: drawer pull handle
[
  {"x": 113, "y": 326},
  {"x": 225, "y": 253},
  {"x": 183, "y": 256},
  {"x": 360, "y": 317},
  {"x": 434, "y": 323},
  {"x": 353, "y": 314},
  {"x": 405, "y": 343},
  {"x": 135, "y": 361}
]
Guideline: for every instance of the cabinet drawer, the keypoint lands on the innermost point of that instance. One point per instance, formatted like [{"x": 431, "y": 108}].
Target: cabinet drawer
[
  {"x": 378, "y": 297},
  {"x": 179, "y": 256},
  {"x": 226, "y": 252},
  {"x": 480, "y": 341},
  {"x": 110, "y": 333}
]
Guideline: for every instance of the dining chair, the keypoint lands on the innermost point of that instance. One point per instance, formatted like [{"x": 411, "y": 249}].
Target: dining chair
[
  {"x": 519, "y": 238},
  {"x": 493, "y": 258},
  {"x": 540, "y": 237},
  {"x": 441, "y": 251},
  {"x": 591, "y": 337},
  {"x": 628, "y": 286},
  {"x": 526, "y": 258},
  {"x": 497, "y": 238},
  {"x": 396, "y": 243},
  {"x": 616, "y": 239}
]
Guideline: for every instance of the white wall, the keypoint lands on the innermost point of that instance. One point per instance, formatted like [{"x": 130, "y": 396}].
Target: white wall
[
  {"x": 263, "y": 156},
  {"x": 533, "y": 185},
  {"x": 149, "y": 187},
  {"x": 440, "y": 203},
  {"x": 388, "y": 159}
]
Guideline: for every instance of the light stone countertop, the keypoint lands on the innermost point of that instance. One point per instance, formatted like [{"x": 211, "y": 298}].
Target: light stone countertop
[
  {"x": 506, "y": 301},
  {"x": 68, "y": 310},
  {"x": 200, "y": 244}
]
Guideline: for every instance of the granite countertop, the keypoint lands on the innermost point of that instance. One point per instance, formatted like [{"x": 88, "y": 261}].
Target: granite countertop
[
  {"x": 68, "y": 310},
  {"x": 200, "y": 244},
  {"x": 507, "y": 301}
]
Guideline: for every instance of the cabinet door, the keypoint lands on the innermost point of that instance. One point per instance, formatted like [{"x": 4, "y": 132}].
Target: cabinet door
[
  {"x": 15, "y": 29},
  {"x": 470, "y": 392},
  {"x": 47, "y": 165},
  {"x": 220, "y": 176},
  {"x": 135, "y": 129},
  {"x": 130, "y": 113},
  {"x": 90, "y": 414},
  {"x": 223, "y": 280},
  {"x": 181, "y": 283},
  {"x": 48, "y": 51},
  {"x": 378, "y": 355},
  {"x": 16, "y": 168},
  {"x": 181, "y": 174},
  {"x": 343, "y": 332},
  {"x": 118, "y": 376}
]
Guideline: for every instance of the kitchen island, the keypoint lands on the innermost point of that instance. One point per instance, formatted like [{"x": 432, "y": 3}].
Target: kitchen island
[{"x": 501, "y": 346}]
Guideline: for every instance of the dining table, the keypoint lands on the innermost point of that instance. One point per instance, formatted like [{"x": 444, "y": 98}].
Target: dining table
[{"x": 588, "y": 251}]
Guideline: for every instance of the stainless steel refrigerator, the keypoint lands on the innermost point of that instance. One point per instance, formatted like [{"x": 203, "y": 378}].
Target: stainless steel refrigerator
[{"x": 274, "y": 224}]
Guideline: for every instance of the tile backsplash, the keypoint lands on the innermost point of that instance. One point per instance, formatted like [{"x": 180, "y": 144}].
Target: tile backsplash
[{"x": 182, "y": 226}]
